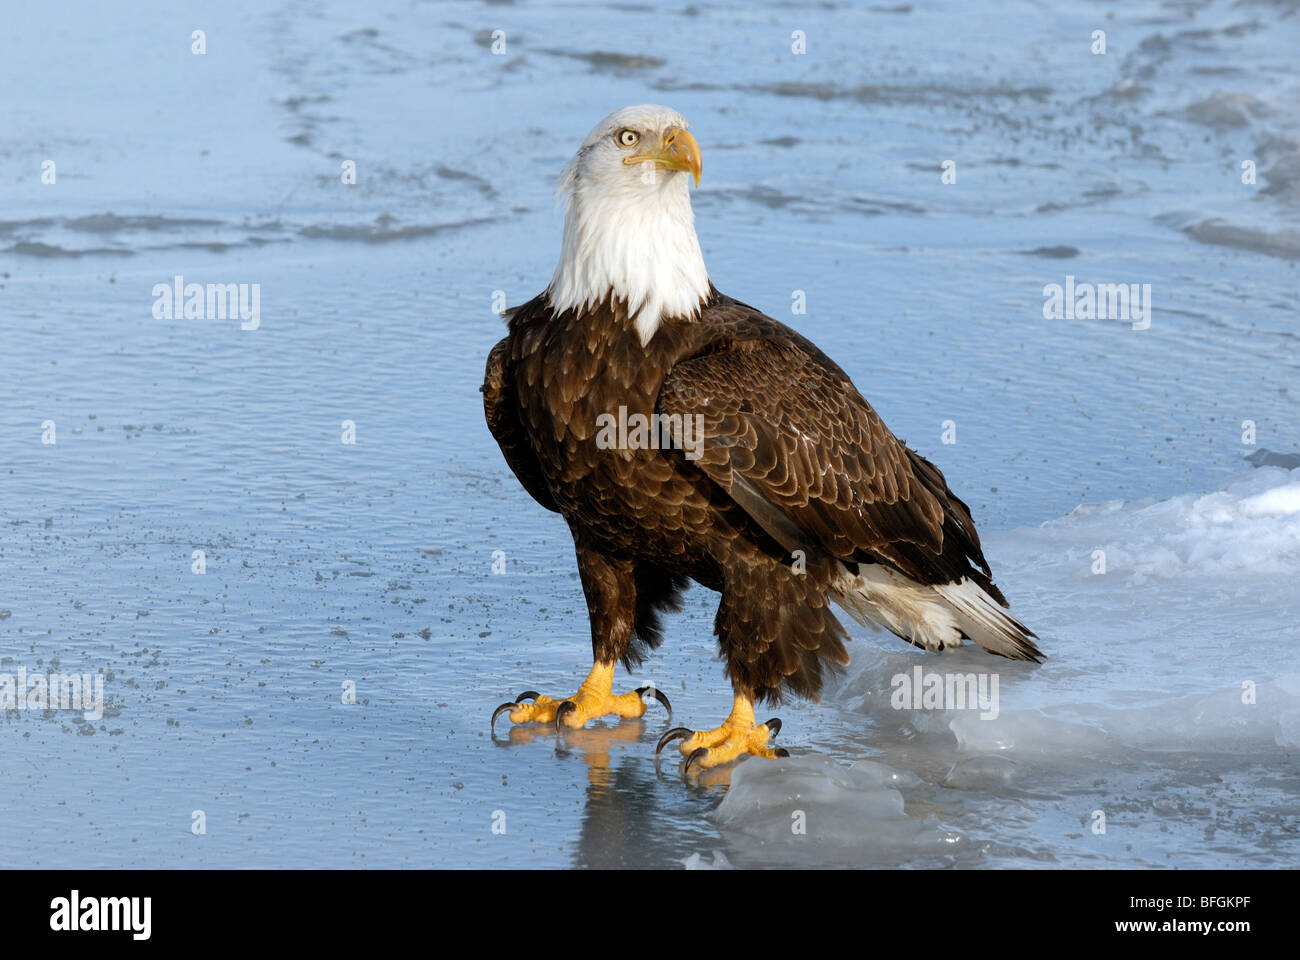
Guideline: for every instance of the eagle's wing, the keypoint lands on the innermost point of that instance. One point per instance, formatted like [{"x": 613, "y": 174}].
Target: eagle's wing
[
  {"x": 789, "y": 437},
  {"x": 782, "y": 427},
  {"x": 502, "y": 411}
]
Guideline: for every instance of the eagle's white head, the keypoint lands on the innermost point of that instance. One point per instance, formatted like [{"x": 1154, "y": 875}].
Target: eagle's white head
[{"x": 628, "y": 228}]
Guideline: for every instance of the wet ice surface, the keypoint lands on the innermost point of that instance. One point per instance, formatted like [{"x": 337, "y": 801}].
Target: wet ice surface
[{"x": 371, "y": 563}]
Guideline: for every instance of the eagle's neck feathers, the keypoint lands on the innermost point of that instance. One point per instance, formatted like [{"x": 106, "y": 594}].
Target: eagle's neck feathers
[{"x": 629, "y": 243}]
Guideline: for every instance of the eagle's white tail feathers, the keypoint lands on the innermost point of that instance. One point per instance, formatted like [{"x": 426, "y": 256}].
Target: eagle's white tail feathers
[{"x": 934, "y": 617}]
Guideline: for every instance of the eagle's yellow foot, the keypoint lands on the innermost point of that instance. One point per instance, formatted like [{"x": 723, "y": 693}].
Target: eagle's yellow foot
[
  {"x": 738, "y": 735},
  {"x": 595, "y": 698}
]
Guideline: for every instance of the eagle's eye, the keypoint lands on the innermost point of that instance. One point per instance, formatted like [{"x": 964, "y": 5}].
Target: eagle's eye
[{"x": 627, "y": 138}]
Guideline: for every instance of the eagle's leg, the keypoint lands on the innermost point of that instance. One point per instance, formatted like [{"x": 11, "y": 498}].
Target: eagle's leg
[
  {"x": 738, "y": 735},
  {"x": 611, "y": 587}
]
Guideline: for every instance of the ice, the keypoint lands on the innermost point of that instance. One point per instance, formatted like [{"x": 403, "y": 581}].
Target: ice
[
  {"x": 373, "y": 564},
  {"x": 1177, "y": 664},
  {"x": 981, "y": 773},
  {"x": 820, "y": 812},
  {"x": 696, "y": 861}
]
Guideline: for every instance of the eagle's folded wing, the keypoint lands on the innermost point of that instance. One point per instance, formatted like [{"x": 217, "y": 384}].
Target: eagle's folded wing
[
  {"x": 790, "y": 439},
  {"x": 797, "y": 440},
  {"x": 502, "y": 412}
]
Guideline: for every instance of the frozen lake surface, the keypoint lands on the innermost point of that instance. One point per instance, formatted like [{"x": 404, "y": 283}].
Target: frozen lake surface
[{"x": 1170, "y": 699}]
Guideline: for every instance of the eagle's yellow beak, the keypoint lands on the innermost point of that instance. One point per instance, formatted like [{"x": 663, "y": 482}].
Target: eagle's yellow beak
[{"x": 677, "y": 150}]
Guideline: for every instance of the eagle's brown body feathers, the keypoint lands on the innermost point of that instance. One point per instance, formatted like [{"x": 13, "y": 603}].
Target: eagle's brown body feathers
[{"x": 798, "y": 486}]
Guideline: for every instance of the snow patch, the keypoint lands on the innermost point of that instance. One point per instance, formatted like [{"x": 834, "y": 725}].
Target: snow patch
[{"x": 1170, "y": 670}]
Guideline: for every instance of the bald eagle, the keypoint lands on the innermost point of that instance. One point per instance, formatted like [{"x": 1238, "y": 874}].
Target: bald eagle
[{"x": 685, "y": 436}]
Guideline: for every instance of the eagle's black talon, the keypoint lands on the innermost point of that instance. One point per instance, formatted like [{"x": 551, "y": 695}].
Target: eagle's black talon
[
  {"x": 527, "y": 695},
  {"x": 563, "y": 710},
  {"x": 782, "y": 752},
  {"x": 498, "y": 711},
  {"x": 676, "y": 733},
  {"x": 695, "y": 754},
  {"x": 659, "y": 695},
  {"x": 773, "y": 727}
]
